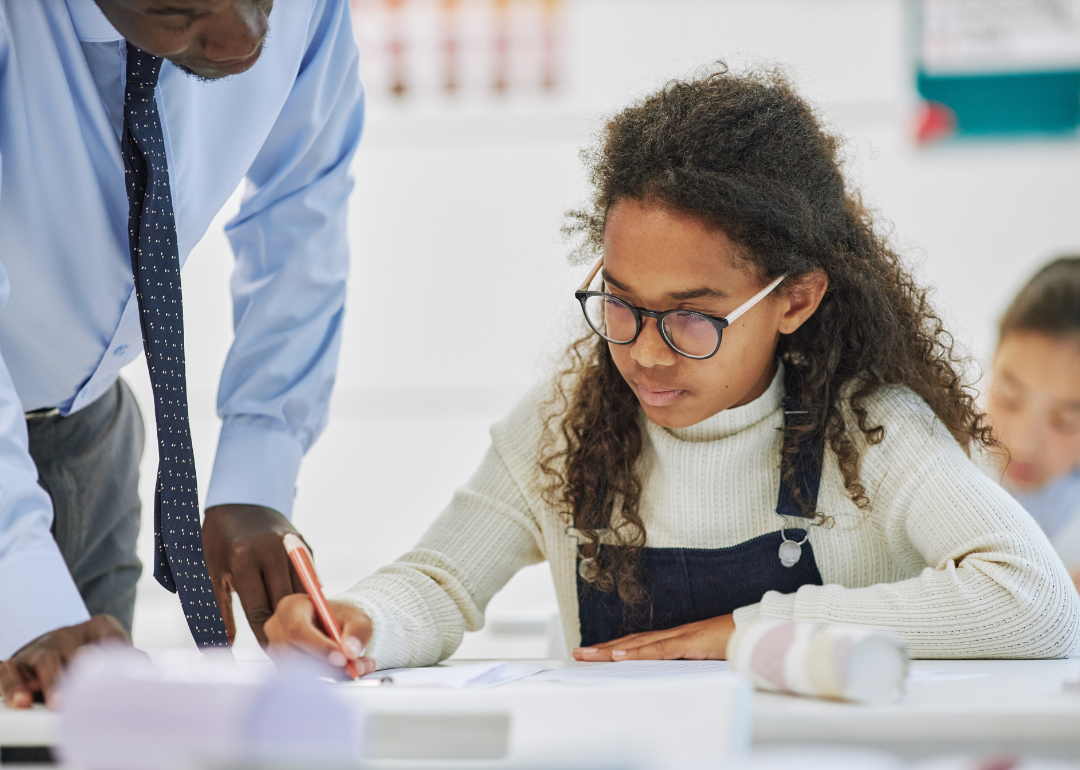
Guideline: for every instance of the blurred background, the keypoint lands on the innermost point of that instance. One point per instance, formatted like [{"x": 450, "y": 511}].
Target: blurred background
[{"x": 477, "y": 110}]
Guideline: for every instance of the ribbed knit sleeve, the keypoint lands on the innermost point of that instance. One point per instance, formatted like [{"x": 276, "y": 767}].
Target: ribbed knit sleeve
[
  {"x": 422, "y": 604},
  {"x": 993, "y": 586}
]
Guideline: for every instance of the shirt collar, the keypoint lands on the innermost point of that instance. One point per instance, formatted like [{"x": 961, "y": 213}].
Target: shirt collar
[{"x": 90, "y": 23}]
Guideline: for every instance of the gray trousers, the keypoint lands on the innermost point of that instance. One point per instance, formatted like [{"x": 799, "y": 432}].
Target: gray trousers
[{"x": 88, "y": 462}]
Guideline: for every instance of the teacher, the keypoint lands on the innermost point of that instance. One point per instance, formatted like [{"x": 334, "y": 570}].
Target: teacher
[{"x": 125, "y": 125}]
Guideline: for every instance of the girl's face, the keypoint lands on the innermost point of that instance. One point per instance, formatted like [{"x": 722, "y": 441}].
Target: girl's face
[
  {"x": 1034, "y": 404},
  {"x": 660, "y": 259}
]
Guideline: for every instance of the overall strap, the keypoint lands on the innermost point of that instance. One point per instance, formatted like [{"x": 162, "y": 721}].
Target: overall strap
[{"x": 807, "y": 464}]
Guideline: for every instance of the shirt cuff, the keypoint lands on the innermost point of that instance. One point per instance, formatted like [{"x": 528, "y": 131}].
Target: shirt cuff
[
  {"x": 255, "y": 465},
  {"x": 37, "y": 595}
]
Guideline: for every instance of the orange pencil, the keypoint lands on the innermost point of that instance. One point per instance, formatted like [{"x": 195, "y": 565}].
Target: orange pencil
[{"x": 301, "y": 559}]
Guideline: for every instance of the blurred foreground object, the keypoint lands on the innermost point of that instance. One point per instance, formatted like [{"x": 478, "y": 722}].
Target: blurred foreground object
[
  {"x": 838, "y": 662},
  {"x": 997, "y": 68},
  {"x": 119, "y": 712}
]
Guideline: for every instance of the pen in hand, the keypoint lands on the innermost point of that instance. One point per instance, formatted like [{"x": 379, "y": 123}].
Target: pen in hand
[{"x": 301, "y": 560}]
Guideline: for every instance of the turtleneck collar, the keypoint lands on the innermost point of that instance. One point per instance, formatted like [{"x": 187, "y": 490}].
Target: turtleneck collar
[{"x": 737, "y": 418}]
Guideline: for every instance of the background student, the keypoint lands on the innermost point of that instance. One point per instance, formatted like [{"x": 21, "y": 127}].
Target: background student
[
  {"x": 1034, "y": 403},
  {"x": 766, "y": 421}
]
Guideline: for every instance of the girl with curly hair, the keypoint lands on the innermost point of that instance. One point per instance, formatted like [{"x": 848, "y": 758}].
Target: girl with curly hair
[{"x": 765, "y": 419}]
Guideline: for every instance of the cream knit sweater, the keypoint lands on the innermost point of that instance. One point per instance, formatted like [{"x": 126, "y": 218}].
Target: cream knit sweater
[{"x": 945, "y": 557}]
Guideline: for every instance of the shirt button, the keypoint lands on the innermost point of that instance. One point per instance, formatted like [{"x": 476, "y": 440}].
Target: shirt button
[{"x": 120, "y": 350}]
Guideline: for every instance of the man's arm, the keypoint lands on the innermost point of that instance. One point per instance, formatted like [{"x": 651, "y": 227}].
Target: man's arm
[
  {"x": 288, "y": 298},
  {"x": 37, "y": 593},
  {"x": 43, "y": 620}
]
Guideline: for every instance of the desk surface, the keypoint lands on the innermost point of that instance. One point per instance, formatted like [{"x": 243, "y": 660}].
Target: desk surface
[
  {"x": 1017, "y": 703},
  {"x": 1003, "y": 703}
]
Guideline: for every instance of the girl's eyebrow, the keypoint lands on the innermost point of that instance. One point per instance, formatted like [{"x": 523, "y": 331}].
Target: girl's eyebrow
[{"x": 704, "y": 292}]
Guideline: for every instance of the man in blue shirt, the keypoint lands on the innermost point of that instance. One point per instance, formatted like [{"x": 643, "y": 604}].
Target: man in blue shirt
[{"x": 125, "y": 125}]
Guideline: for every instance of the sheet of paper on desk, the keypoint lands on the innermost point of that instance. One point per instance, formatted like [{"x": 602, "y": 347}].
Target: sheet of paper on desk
[
  {"x": 635, "y": 671},
  {"x": 458, "y": 677}
]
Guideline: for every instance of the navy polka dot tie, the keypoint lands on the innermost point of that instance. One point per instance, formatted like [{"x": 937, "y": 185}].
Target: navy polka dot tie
[{"x": 155, "y": 262}]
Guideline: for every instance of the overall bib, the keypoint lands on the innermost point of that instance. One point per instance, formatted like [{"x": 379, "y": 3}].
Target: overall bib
[{"x": 684, "y": 585}]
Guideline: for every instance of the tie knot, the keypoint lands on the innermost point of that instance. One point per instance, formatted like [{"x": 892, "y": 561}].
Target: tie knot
[{"x": 142, "y": 72}]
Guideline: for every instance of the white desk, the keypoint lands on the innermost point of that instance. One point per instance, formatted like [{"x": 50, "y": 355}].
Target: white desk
[{"x": 1020, "y": 706}]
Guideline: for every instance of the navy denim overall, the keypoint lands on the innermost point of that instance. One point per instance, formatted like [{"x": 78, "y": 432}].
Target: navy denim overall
[{"x": 684, "y": 585}]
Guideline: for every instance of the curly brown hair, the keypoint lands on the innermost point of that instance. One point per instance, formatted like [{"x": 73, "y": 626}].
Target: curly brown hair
[{"x": 746, "y": 154}]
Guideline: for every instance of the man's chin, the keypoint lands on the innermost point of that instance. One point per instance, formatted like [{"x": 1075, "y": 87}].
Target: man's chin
[
  {"x": 208, "y": 72},
  {"x": 198, "y": 75}
]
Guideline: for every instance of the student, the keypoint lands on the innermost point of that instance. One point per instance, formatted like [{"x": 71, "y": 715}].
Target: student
[
  {"x": 774, "y": 427},
  {"x": 1034, "y": 404}
]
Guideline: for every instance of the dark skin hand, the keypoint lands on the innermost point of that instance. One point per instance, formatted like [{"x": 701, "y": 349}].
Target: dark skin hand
[
  {"x": 209, "y": 39},
  {"x": 244, "y": 553},
  {"x": 35, "y": 669}
]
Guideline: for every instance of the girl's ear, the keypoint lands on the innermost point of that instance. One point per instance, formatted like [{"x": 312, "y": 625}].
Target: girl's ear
[{"x": 802, "y": 300}]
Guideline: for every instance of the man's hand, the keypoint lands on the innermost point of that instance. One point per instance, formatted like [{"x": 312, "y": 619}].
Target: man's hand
[
  {"x": 293, "y": 627},
  {"x": 1075, "y": 575},
  {"x": 704, "y": 640},
  {"x": 244, "y": 553},
  {"x": 35, "y": 668}
]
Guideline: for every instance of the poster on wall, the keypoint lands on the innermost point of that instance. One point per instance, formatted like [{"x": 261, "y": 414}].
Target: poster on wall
[{"x": 997, "y": 68}]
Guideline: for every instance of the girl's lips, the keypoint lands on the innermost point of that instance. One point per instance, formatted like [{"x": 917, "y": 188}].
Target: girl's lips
[{"x": 658, "y": 397}]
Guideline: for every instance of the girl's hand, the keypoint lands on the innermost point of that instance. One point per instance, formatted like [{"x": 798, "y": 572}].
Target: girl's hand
[
  {"x": 704, "y": 640},
  {"x": 293, "y": 627}
]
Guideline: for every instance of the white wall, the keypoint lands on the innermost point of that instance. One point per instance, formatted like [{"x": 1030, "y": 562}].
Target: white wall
[{"x": 457, "y": 211}]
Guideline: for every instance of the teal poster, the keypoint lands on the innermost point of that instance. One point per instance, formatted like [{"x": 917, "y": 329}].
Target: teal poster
[{"x": 998, "y": 68}]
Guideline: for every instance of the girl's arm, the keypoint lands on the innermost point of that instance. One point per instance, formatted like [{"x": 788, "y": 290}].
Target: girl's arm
[
  {"x": 993, "y": 586},
  {"x": 421, "y": 605}
]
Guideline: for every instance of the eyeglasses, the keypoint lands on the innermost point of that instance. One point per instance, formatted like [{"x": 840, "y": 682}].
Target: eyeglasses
[{"x": 687, "y": 332}]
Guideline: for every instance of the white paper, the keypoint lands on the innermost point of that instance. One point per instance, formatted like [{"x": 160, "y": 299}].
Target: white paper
[
  {"x": 475, "y": 676},
  {"x": 635, "y": 671},
  {"x": 918, "y": 676}
]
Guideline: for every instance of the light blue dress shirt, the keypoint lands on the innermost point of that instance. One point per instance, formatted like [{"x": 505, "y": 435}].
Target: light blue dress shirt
[{"x": 68, "y": 313}]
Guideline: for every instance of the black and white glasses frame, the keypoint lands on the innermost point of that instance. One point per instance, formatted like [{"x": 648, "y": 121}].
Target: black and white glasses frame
[{"x": 583, "y": 294}]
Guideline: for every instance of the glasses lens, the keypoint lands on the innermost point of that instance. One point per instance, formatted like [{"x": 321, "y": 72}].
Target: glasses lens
[
  {"x": 610, "y": 317},
  {"x": 692, "y": 334}
]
